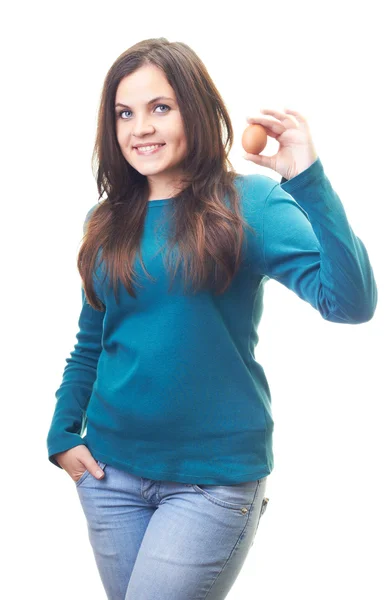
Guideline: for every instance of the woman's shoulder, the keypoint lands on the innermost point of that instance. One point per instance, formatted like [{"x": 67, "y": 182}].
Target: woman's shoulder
[{"x": 254, "y": 187}]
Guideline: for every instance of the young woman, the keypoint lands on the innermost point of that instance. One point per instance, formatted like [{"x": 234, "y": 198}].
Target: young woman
[{"x": 172, "y": 472}]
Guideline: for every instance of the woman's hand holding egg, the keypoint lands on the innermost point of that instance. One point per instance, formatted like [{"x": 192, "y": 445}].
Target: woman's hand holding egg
[{"x": 296, "y": 152}]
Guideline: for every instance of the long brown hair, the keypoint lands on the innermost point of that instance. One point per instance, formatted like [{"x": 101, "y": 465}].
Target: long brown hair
[{"x": 208, "y": 234}]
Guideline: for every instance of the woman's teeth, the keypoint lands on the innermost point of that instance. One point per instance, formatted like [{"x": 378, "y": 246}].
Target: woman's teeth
[{"x": 149, "y": 148}]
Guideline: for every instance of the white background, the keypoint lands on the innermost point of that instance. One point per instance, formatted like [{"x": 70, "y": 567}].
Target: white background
[{"x": 324, "y": 534}]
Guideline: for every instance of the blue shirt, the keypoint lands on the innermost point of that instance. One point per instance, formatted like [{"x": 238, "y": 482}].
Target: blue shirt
[{"x": 166, "y": 385}]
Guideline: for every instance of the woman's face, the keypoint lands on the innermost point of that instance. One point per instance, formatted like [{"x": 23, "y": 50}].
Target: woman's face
[{"x": 138, "y": 122}]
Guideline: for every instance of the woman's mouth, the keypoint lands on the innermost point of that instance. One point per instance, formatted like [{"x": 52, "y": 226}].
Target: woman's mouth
[{"x": 148, "y": 150}]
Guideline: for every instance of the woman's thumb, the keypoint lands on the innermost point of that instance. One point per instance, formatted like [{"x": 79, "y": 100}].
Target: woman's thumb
[
  {"x": 260, "y": 159},
  {"x": 95, "y": 470}
]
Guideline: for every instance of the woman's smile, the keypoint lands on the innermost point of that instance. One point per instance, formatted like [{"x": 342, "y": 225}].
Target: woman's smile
[{"x": 148, "y": 150}]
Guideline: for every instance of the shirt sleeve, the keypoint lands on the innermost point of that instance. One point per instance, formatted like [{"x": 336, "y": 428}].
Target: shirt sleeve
[
  {"x": 69, "y": 419},
  {"x": 309, "y": 246}
]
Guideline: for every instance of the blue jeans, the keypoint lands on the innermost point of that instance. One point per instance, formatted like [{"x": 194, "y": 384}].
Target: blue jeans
[{"x": 164, "y": 540}]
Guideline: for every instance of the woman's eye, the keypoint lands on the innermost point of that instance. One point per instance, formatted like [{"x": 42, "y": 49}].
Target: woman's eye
[
  {"x": 119, "y": 114},
  {"x": 165, "y": 105}
]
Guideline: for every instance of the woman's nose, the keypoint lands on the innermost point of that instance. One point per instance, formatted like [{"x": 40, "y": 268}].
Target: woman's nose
[{"x": 142, "y": 127}]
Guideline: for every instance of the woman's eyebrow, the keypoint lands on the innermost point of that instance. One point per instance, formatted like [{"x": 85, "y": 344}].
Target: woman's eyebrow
[{"x": 148, "y": 103}]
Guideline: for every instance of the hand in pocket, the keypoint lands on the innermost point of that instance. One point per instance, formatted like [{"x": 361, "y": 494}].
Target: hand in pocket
[{"x": 77, "y": 460}]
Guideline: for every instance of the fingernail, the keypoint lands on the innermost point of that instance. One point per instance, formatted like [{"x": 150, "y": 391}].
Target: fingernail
[{"x": 99, "y": 473}]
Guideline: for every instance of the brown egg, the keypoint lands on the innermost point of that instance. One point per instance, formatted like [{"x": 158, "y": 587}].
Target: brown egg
[{"x": 254, "y": 138}]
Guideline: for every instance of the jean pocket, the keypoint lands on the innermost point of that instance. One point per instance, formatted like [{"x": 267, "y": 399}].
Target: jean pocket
[
  {"x": 85, "y": 474},
  {"x": 234, "y": 497}
]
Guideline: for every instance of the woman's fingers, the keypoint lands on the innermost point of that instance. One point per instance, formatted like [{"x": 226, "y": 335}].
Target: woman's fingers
[
  {"x": 273, "y": 128},
  {"x": 292, "y": 116},
  {"x": 274, "y": 113},
  {"x": 299, "y": 116}
]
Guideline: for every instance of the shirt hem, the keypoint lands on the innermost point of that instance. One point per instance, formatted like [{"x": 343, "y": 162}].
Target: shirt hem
[{"x": 180, "y": 477}]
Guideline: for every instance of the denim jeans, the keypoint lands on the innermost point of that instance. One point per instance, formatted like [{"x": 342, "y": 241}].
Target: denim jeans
[{"x": 164, "y": 540}]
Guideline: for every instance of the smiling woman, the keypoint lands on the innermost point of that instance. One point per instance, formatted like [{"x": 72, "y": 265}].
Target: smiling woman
[
  {"x": 157, "y": 96},
  {"x": 177, "y": 408},
  {"x": 152, "y": 129}
]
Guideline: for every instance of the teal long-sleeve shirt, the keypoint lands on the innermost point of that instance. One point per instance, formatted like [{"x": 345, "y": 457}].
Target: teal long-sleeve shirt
[{"x": 166, "y": 385}]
